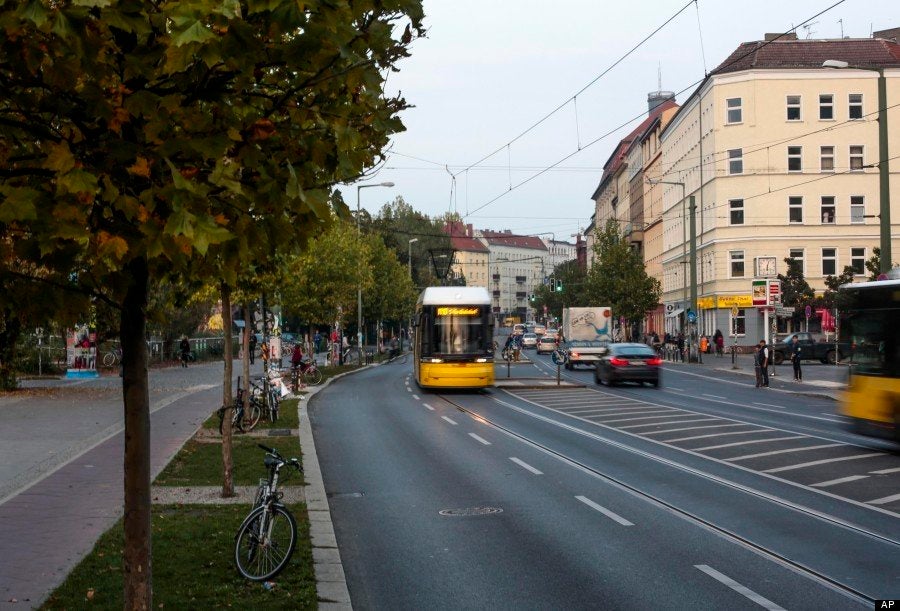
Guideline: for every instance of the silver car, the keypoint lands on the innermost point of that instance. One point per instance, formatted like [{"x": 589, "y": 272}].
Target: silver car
[{"x": 529, "y": 340}]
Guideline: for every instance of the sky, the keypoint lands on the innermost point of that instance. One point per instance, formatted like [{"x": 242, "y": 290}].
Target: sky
[{"x": 489, "y": 70}]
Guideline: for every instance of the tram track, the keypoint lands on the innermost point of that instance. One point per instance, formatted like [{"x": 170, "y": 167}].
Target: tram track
[{"x": 690, "y": 516}]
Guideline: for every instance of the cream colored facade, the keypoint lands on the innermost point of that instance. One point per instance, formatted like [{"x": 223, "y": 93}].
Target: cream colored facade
[
  {"x": 775, "y": 184},
  {"x": 473, "y": 266}
]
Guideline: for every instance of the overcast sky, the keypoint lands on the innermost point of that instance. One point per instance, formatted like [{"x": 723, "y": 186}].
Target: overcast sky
[{"x": 490, "y": 69}]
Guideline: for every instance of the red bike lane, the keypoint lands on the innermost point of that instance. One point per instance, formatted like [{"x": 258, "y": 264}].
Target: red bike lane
[{"x": 49, "y": 527}]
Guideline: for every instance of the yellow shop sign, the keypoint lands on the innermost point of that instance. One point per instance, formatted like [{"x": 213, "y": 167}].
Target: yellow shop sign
[{"x": 734, "y": 301}]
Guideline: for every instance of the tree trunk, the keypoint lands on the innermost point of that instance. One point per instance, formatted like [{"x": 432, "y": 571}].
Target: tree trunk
[
  {"x": 227, "y": 399},
  {"x": 10, "y": 329},
  {"x": 137, "y": 556}
]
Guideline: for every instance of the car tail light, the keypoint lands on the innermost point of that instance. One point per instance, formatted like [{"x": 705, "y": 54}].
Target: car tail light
[
  {"x": 574, "y": 355},
  {"x": 617, "y": 362},
  {"x": 654, "y": 361}
]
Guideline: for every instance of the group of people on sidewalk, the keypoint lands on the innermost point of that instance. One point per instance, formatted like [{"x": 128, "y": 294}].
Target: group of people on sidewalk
[{"x": 763, "y": 356}]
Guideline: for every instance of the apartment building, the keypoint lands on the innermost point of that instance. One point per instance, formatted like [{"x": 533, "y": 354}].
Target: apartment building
[
  {"x": 781, "y": 158},
  {"x": 518, "y": 265},
  {"x": 471, "y": 257}
]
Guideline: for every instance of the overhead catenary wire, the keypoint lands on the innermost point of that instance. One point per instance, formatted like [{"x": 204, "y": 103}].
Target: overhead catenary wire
[
  {"x": 631, "y": 120},
  {"x": 583, "y": 89}
]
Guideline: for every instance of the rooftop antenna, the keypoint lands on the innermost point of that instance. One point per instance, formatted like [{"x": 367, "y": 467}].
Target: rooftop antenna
[
  {"x": 659, "y": 76},
  {"x": 841, "y": 21},
  {"x": 808, "y": 28}
]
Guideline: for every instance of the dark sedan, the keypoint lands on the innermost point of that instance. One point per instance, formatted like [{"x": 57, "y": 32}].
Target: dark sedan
[{"x": 628, "y": 363}]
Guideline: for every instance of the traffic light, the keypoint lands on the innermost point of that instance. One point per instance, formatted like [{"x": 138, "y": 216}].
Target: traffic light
[
  {"x": 532, "y": 297},
  {"x": 552, "y": 283},
  {"x": 559, "y": 285}
]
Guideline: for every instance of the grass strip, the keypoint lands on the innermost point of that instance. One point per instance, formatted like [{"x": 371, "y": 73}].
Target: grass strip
[
  {"x": 200, "y": 463},
  {"x": 287, "y": 418},
  {"x": 193, "y": 566}
]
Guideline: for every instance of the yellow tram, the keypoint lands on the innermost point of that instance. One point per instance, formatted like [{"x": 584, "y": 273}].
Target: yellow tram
[
  {"x": 869, "y": 324},
  {"x": 453, "y": 346}
]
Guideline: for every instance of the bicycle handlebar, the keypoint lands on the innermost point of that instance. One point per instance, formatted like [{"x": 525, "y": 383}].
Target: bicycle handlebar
[{"x": 292, "y": 462}]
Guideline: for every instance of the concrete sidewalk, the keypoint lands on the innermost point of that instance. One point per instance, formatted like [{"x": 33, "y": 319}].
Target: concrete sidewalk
[{"x": 818, "y": 378}]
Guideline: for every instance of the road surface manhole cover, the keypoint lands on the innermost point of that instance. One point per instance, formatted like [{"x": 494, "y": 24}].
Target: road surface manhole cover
[
  {"x": 470, "y": 511},
  {"x": 279, "y": 432}
]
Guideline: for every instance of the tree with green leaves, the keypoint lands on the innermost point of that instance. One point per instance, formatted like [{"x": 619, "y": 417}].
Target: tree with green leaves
[
  {"x": 574, "y": 283},
  {"x": 618, "y": 277},
  {"x": 795, "y": 290},
  {"x": 397, "y": 223},
  {"x": 140, "y": 141},
  {"x": 832, "y": 298}
]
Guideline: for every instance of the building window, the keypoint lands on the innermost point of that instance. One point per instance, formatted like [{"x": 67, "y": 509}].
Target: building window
[
  {"x": 857, "y": 209},
  {"x": 797, "y": 255},
  {"x": 856, "y": 110},
  {"x": 738, "y": 323},
  {"x": 829, "y": 261},
  {"x": 827, "y": 210},
  {"x": 856, "y": 157},
  {"x": 826, "y": 106},
  {"x": 736, "y": 211},
  {"x": 793, "y": 108},
  {"x": 736, "y": 161},
  {"x": 826, "y": 157},
  {"x": 858, "y": 261},
  {"x": 736, "y": 258},
  {"x": 795, "y": 156},
  {"x": 795, "y": 209},
  {"x": 734, "y": 110}
]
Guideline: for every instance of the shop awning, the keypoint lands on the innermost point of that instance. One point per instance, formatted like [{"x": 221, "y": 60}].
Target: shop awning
[{"x": 675, "y": 313}]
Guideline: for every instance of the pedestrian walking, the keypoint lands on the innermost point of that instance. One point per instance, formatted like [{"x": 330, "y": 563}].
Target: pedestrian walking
[
  {"x": 795, "y": 358},
  {"x": 761, "y": 361},
  {"x": 185, "y": 348},
  {"x": 252, "y": 347},
  {"x": 719, "y": 341},
  {"x": 317, "y": 341},
  {"x": 680, "y": 344}
]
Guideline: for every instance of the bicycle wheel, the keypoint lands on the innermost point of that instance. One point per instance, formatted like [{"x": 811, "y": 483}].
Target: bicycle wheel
[
  {"x": 265, "y": 542},
  {"x": 252, "y": 418},
  {"x": 273, "y": 405},
  {"x": 312, "y": 376},
  {"x": 109, "y": 359},
  {"x": 236, "y": 426}
]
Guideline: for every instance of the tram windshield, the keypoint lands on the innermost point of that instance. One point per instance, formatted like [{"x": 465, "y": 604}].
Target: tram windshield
[
  {"x": 869, "y": 326},
  {"x": 458, "y": 330}
]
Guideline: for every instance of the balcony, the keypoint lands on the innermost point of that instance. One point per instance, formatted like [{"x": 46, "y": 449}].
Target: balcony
[
  {"x": 520, "y": 279},
  {"x": 520, "y": 295},
  {"x": 496, "y": 294},
  {"x": 495, "y": 277}
]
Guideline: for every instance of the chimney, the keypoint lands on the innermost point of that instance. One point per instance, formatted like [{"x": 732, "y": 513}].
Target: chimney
[
  {"x": 770, "y": 36},
  {"x": 469, "y": 230},
  {"x": 892, "y": 34},
  {"x": 655, "y": 98}
]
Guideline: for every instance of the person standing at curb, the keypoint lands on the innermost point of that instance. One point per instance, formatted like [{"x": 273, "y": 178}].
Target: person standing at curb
[
  {"x": 795, "y": 358},
  {"x": 185, "y": 347},
  {"x": 252, "y": 347},
  {"x": 762, "y": 364}
]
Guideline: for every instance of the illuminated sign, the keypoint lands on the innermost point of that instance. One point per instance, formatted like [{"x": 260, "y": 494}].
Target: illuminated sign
[{"x": 456, "y": 311}]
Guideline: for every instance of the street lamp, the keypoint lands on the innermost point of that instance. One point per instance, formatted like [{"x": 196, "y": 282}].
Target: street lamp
[
  {"x": 883, "y": 157},
  {"x": 359, "y": 333},
  {"x": 410, "y": 255}
]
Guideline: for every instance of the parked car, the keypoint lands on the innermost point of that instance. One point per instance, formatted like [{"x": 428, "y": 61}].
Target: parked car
[
  {"x": 812, "y": 347},
  {"x": 518, "y": 329},
  {"x": 546, "y": 344},
  {"x": 529, "y": 340},
  {"x": 628, "y": 363},
  {"x": 584, "y": 352}
]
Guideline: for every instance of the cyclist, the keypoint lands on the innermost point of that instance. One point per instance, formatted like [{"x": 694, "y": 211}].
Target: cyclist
[
  {"x": 185, "y": 347},
  {"x": 394, "y": 349},
  {"x": 297, "y": 357}
]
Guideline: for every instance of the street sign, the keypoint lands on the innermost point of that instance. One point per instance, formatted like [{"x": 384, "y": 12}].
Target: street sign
[
  {"x": 734, "y": 311},
  {"x": 759, "y": 291},
  {"x": 784, "y": 312},
  {"x": 808, "y": 312},
  {"x": 691, "y": 316},
  {"x": 559, "y": 357}
]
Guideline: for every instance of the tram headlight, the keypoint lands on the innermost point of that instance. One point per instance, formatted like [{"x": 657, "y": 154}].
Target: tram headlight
[
  {"x": 434, "y": 360},
  {"x": 481, "y": 360}
]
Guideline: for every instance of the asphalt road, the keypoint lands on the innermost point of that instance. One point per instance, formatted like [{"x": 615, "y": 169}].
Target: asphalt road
[{"x": 707, "y": 493}]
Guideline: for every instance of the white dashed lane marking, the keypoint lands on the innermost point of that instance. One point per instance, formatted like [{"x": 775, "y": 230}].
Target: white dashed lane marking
[
  {"x": 428, "y": 406},
  {"x": 453, "y": 422},
  {"x": 479, "y": 439},
  {"x": 416, "y": 397},
  {"x": 788, "y": 451},
  {"x": 525, "y": 465},
  {"x": 743, "y": 590},
  {"x": 609, "y": 514},
  {"x": 744, "y": 443}
]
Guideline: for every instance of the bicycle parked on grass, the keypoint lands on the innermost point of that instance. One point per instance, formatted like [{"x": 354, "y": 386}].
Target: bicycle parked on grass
[
  {"x": 306, "y": 374},
  {"x": 112, "y": 358},
  {"x": 266, "y": 538},
  {"x": 242, "y": 421}
]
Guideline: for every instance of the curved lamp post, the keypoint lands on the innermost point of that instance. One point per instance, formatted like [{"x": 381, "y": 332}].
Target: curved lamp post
[
  {"x": 883, "y": 157},
  {"x": 359, "y": 331}
]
